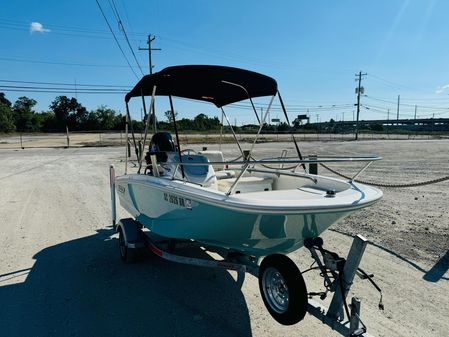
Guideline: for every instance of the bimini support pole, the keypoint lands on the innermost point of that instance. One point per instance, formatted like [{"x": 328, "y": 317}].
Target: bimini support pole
[
  {"x": 127, "y": 143},
  {"x": 130, "y": 123},
  {"x": 247, "y": 94},
  {"x": 221, "y": 131},
  {"x": 262, "y": 122},
  {"x": 147, "y": 123},
  {"x": 293, "y": 136},
  {"x": 176, "y": 133},
  {"x": 232, "y": 130}
]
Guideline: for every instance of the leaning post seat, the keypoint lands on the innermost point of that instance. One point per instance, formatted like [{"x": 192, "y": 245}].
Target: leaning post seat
[
  {"x": 221, "y": 171},
  {"x": 198, "y": 174}
]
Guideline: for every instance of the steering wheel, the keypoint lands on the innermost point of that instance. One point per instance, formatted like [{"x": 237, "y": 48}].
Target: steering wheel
[{"x": 188, "y": 151}]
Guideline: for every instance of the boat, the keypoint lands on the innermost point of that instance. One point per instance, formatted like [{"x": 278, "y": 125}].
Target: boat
[{"x": 250, "y": 208}]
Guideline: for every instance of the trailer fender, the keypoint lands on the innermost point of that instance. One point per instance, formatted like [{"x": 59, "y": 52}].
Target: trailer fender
[{"x": 131, "y": 233}]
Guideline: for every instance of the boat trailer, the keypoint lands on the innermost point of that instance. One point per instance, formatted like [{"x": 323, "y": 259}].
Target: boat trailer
[{"x": 338, "y": 273}]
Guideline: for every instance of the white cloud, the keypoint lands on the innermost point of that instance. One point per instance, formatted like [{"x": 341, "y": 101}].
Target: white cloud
[
  {"x": 38, "y": 27},
  {"x": 442, "y": 89}
]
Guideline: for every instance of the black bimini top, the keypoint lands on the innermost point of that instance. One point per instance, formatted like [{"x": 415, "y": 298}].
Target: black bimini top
[{"x": 216, "y": 84}]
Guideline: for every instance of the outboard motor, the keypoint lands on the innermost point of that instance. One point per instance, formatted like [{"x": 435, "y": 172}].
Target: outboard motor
[{"x": 160, "y": 144}]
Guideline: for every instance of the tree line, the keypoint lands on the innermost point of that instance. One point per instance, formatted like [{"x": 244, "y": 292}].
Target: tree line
[{"x": 63, "y": 112}]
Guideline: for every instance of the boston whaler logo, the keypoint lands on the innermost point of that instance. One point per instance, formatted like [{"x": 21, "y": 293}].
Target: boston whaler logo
[{"x": 176, "y": 200}]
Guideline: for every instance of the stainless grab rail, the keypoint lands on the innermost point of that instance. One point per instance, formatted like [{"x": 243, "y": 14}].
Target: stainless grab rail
[
  {"x": 246, "y": 163},
  {"x": 284, "y": 173},
  {"x": 304, "y": 161}
]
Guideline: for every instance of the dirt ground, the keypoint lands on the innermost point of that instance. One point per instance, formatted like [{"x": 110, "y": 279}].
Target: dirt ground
[{"x": 61, "y": 275}]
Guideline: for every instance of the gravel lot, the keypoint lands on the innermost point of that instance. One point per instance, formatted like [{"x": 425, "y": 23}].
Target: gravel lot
[{"x": 61, "y": 275}]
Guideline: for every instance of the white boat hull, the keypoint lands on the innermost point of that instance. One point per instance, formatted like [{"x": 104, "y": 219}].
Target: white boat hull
[{"x": 181, "y": 210}]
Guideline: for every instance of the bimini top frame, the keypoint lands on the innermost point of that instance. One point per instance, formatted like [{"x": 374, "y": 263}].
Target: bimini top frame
[{"x": 215, "y": 84}]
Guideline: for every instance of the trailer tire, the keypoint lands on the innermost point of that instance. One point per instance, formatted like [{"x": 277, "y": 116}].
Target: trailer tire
[
  {"x": 283, "y": 289},
  {"x": 127, "y": 255}
]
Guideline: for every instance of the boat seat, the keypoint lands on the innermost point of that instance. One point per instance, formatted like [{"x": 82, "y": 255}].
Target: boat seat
[
  {"x": 246, "y": 184},
  {"x": 214, "y": 156},
  {"x": 221, "y": 171},
  {"x": 198, "y": 174}
]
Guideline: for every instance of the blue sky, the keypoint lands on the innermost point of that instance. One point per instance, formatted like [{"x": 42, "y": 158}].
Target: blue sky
[{"x": 313, "y": 49}]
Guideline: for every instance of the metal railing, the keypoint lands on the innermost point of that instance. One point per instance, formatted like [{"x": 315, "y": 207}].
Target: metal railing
[{"x": 249, "y": 165}]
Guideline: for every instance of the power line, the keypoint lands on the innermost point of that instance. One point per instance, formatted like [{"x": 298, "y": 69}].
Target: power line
[
  {"x": 56, "y": 88},
  {"x": 385, "y": 110},
  {"x": 405, "y": 104},
  {"x": 122, "y": 28},
  {"x": 14, "y": 59},
  {"x": 392, "y": 84},
  {"x": 115, "y": 38},
  {"x": 114, "y": 11},
  {"x": 82, "y": 35},
  {"x": 124, "y": 87},
  {"x": 62, "y": 91},
  {"x": 16, "y": 23}
]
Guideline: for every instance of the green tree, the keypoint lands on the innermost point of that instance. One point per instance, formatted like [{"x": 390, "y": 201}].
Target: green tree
[
  {"x": 4, "y": 100},
  {"x": 68, "y": 112},
  {"x": 24, "y": 118},
  {"x": 93, "y": 123},
  {"x": 119, "y": 122},
  {"x": 200, "y": 122},
  {"x": 6, "y": 115},
  {"x": 106, "y": 117},
  {"x": 47, "y": 121},
  {"x": 6, "y": 118},
  {"x": 169, "y": 116},
  {"x": 283, "y": 127}
]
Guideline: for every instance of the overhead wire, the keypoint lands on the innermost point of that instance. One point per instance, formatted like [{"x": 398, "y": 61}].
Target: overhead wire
[
  {"x": 122, "y": 29},
  {"x": 68, "y": 84},
  {"x": 391, "y": 83},
  {"x": 61, "y": 90},
  {"x": 14, "y": 59},
  {"x": 115, "y": 38},
  {"x": 406, "y": 104},
  {"x": 66, "y": 91},
  {"x": 56, "y": 88}
]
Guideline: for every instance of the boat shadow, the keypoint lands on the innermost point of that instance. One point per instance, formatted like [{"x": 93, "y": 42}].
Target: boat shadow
[{"x": 82, "y": 288}]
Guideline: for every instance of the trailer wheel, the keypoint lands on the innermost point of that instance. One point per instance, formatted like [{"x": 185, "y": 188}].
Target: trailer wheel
[
  {"x": 127, "y": 254},
  {"x": 283, "y": 289}
]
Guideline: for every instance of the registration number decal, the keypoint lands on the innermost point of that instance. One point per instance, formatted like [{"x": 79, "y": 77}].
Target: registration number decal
[{"x": 179, "y": 201}]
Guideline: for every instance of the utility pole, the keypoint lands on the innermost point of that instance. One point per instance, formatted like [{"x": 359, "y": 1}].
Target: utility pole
[
  {"x": 397, "y": 114},
  {"x": 415, "y": 111},
  {"x": 388, "y": 115},
  {"x": 150, "y": 64},
  {"x": 359, "y": 90},
  {"x": 150, "y": 68}
]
